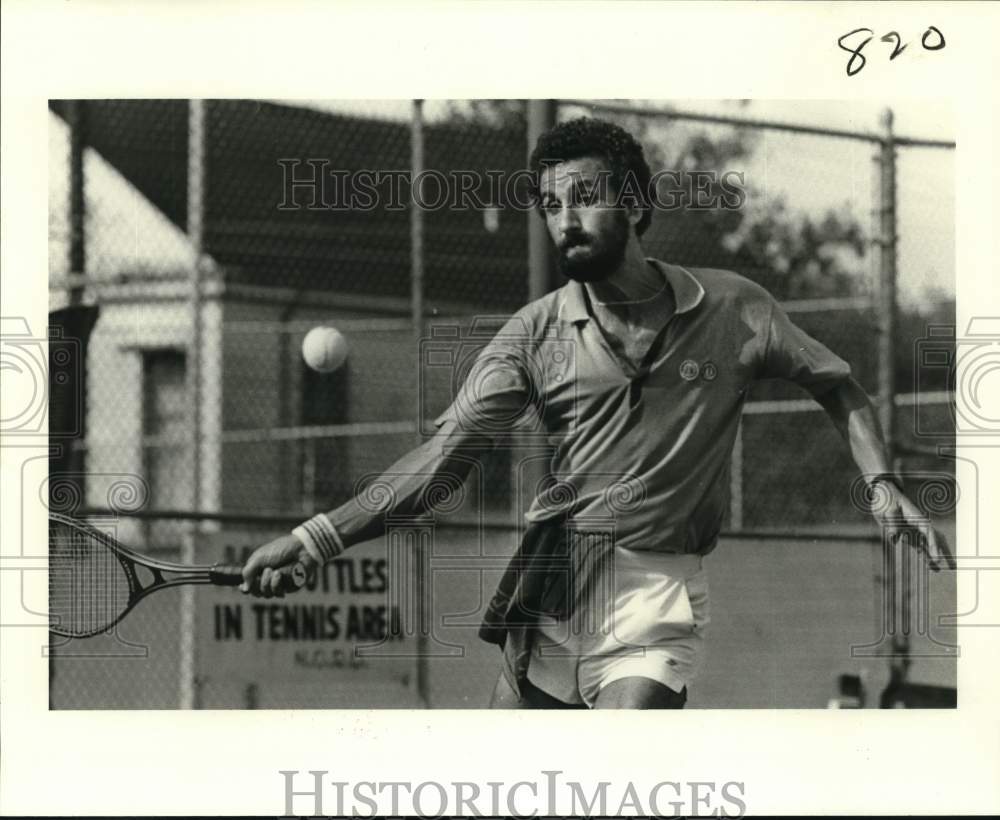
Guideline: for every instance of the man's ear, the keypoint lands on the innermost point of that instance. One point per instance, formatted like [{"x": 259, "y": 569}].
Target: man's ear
[
  {"x": 634, "y": 214},
  {"x": 630, "y": 197}
]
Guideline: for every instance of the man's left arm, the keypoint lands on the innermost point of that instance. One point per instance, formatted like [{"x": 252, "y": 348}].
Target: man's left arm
[
  {"x": 792, "y": 354},
  {"x": 850, "y": 409}
]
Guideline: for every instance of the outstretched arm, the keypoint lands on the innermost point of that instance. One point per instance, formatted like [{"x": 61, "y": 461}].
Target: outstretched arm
[
  {"x": 407, "y": 488},
  {"x": 411, "y": 485},
  {"x": 495, "y": 393},
  {"x": 792, "y": 354},
  {"x": 851, "y": 411}
]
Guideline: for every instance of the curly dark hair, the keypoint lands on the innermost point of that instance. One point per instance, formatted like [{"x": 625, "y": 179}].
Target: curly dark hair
[{"x": 591, "y": 137}]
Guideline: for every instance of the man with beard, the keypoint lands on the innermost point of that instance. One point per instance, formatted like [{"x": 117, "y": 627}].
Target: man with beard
[{"x": 636, "y": 370}]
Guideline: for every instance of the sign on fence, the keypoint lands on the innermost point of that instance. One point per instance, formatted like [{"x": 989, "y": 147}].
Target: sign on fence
[{"x": 348, "y": 630}]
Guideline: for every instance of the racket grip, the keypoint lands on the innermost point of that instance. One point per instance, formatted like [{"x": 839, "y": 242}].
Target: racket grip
[{"x": 231, "y": 575}]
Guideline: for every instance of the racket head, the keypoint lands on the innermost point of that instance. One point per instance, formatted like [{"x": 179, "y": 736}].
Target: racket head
[{"x": 91, "y": 584}]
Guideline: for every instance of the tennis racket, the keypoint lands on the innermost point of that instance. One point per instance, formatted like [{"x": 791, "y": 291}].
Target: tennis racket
[{"x": 94, "y": 581}]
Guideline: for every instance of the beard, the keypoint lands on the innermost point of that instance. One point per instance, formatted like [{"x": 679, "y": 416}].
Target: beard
[{"x": 588, "y": 258}]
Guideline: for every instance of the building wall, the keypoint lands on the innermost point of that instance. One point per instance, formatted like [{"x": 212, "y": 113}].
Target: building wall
[
  {"x": 253, "y": 457},
  {"x": 267, "y": 465},
  {"x": 135, "y": 320}
]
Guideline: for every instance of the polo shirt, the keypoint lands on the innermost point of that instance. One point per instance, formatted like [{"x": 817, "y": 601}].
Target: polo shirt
[{"x": 643, "y": 451}]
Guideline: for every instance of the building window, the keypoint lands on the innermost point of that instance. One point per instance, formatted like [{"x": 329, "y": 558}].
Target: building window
[
  {"x": 325, "y": 458},
  {"x": 324, "y": 396},
  {"x": 165, "y": 419}
]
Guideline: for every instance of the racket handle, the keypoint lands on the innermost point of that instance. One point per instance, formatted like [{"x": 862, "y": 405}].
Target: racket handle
[{"x": 231, "y": 575}]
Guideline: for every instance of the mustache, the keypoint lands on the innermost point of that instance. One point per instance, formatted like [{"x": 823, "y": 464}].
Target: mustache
[{"x": 572, "y": 240}]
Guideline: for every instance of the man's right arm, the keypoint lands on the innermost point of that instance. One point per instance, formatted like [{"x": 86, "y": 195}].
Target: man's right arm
[
  {"x": 407, "y": 488},
  {"x": 496, "y": 392}
]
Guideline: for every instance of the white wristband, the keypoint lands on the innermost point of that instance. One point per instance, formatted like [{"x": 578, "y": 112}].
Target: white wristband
[
  {"x": 320, "y": 538},
  {"x": 310, "y": 546}
]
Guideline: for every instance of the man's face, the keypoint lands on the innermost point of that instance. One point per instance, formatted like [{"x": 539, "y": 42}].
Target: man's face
[{"x": 590, "y": 234}]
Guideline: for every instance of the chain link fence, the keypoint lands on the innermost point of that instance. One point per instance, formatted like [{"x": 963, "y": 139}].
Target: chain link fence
[{"x": 304, "y": 217}]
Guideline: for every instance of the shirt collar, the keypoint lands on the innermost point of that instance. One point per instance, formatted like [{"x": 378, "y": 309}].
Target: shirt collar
[{"x": 688, "y": 292}]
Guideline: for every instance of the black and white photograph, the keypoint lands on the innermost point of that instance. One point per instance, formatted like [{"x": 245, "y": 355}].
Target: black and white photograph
[
  {"x": 512, "y": 384},
  {"x": 365, "y": 416}
]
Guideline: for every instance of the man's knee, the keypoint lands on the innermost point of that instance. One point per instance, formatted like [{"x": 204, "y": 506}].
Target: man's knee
[{"x": 639, "y": 693}]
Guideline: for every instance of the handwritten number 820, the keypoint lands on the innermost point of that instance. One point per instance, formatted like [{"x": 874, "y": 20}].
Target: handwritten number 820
[{"x": 932, "y": 40}]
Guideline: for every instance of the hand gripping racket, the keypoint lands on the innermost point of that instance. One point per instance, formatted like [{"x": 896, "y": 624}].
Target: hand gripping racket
[{"x": 94, "y": 583}]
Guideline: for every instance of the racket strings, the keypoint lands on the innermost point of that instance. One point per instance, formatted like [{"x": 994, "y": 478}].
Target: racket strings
[{"x": 88, "y": 586}]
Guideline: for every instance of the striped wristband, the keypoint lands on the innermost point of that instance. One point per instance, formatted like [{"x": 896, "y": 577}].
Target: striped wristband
[{"x": 320, "y": 538}]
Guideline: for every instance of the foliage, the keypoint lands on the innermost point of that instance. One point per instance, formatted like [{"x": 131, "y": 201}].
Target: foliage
[{"x": 794, "y": 255}]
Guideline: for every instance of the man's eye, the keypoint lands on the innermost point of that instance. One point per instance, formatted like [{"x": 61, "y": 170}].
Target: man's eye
[
  {"x": 584, "y": 197},
  {"x": 550, "y": 205}
]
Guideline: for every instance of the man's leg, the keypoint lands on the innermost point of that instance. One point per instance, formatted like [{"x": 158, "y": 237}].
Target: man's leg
[
  {"x": 639, "y": 693},
  {"x": 504, "y": 697}
]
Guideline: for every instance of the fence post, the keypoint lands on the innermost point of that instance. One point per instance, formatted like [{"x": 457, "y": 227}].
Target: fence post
[
  {"x": 528, "y": 467},
  {"x": 887, "y": 286},
  {"x": 76, "y": 115},
  {"x": 898, "y": 579},
  {"x": 196, "y": 233},
  {"x": 417, "y": 240},
  {"x": 417, "y": 313},
  {"x": 541, "y": 117},
  {"x": 76, "y": 262},
  {"x": 195, "y": 230}
]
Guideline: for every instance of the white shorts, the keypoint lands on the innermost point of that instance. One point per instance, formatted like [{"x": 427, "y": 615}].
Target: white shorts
[{"x": 651, "y": 626}]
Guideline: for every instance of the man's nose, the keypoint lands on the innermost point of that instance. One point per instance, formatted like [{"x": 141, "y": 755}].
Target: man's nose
[{"x": 569, "y": 220}]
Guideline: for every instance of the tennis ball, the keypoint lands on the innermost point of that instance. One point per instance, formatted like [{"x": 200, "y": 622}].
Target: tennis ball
[{"x": 324, "y": 349}]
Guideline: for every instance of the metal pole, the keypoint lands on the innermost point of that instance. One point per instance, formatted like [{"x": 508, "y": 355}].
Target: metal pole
[
  {"x": 71, "y": 459},
  {"x": 196, "y": 236},
  {"x": 195, "y": 230},
  {"x": 76, "y": 118},
  {"x": 529, "y": 466},
  {"x": 417, "y": 236},
  {"x": 75, "y": 321},
  {"x": 898, "y": 591},
  {"x": 541, "y": 117},
  {"x": 596, "y": 106},
  {"x": 417, "y": 313},
  {"x": 887, "y": 286}
]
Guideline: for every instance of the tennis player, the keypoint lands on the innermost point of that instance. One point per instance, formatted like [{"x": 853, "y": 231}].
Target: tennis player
[{"x": 637, "y": 369}]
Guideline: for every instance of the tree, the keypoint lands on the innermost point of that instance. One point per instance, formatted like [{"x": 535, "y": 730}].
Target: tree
[
  {"x": 793, "y": 254},
  {"x": 798, "y": 256}
]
